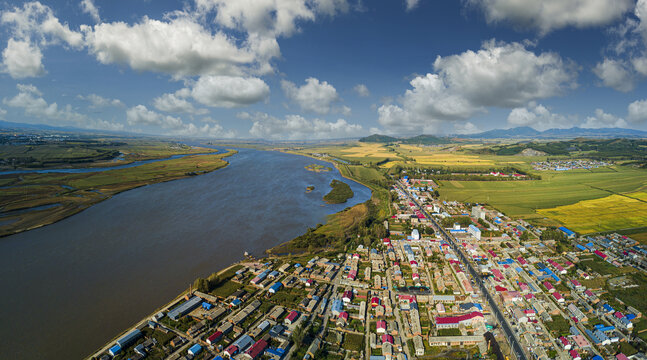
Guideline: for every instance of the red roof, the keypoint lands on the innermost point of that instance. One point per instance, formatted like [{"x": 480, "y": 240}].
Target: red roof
[
  {"x": 293, "y": 315},
  {"x": 214, "y": 337},
  {"x": 257, "y": 349},
  {"x": 500, "y": 288},
  {"x": 457, "y": 319},
  {"x": 557, "y": 295},
  {"x": 232, "y": 349},
  {"x": 386, "y": 338},
  {"x": 381, "y": 324}
]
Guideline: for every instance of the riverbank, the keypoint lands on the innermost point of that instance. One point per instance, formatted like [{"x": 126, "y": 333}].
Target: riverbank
[
  {"x": 143, "y": 321},
  {"x": 338, "y": 226},
  {"x": 347, "y": 218},
  {"x": 33, "y": 200}
]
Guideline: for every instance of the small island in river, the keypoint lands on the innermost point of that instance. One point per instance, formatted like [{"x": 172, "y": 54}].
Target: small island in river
[
  {"x": 318, "y": 168},
  {"x": 340, "y": 193},
  {"x": 310, "y": 188}
]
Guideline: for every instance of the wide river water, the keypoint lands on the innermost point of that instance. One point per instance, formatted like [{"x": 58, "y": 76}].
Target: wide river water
[{"x": 69, "y": 287}]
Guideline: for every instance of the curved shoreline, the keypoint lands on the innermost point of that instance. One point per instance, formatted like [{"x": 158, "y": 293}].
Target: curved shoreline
[
  {"x": 24, "y": 222},
  {"x": 185, "y": 292}
]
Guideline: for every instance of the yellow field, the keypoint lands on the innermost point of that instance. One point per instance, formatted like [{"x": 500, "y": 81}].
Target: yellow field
[
  {"x": 604, "y": 214},
  {"x": 410, "y": 147},
  {"x": 445, "y": 159},
  {"x": 367, "y": 150},
  {"x": 389, "y": 164}
]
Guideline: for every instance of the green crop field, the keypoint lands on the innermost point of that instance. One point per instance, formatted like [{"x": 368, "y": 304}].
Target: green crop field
[{"x": 522, "y": 198}]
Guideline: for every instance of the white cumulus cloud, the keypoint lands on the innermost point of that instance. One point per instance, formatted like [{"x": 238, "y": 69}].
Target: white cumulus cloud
[
  {"x": 498, "y": 75},
  {"x": 296, "y": 127},
  {"x": 97, "y": 101},
  {"x": 229, "y": 91},
  {"x": 603, "y": 120},
  {"x": 30, "y": 99},
  {"x": 549, "y": 15},
  {"x": 411, "y": 4},
  {"x": 615, "y": 74},
  {"x": 140, "y": 115},
  {"x": 637, "y": 111},
  {"x": 20, "y": 59},
  {"x": 269, "y": 17},
  {"x": 180, "y": 47},
  {"x": 177, "y": 103},
  {"x": 314, "y": 96},
  {"x": 91, "y": 9},
  {"x": 33, "y": 27},
  {"x": 539, "y": 117},
  {"x": 362, "y": 90}
]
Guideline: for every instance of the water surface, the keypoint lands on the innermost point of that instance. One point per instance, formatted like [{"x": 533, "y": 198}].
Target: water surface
[{"x": 71, "y": 286}]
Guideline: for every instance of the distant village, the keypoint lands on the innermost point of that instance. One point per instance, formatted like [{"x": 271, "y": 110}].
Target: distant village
[
  {"x": 451, "y": 279},
  {"x": 565, "y": 165}
]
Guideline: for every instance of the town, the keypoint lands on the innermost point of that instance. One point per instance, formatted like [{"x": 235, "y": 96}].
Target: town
[
  {"x": 565, "y": 165},
  {"x": 452, "y": 279}
]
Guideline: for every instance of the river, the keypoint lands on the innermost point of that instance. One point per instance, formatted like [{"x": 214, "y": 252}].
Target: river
[{"x": 71, "y": 286}]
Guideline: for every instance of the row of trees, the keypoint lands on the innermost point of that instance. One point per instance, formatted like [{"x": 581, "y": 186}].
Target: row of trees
[{"x": 206, "y": 285}]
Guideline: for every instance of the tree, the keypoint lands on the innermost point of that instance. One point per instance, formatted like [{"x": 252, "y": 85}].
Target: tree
[
  {"x": 201, "y": 284},
  {"x": 298, "y": 335}
]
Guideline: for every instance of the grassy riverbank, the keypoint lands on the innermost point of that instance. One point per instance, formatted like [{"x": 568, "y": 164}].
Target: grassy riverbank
[
  {"x": 88, "y": 152},
  {"x": 340, "y": 193},
  {"x": 65, "y": 194},
  {"x": 341, "y": 229}
]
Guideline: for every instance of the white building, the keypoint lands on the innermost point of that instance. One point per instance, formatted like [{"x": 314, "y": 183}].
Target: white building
[{"x": 474, "y": 231}]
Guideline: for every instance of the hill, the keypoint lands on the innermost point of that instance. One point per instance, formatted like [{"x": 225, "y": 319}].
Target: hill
[
  {"x": 420, "y": 139},
  {"x": 376, "y": 138},
  {"x": 526, "y": 132}
]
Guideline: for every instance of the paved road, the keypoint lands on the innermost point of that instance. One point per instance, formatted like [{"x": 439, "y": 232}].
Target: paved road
[{"x": 514, "y": 342}]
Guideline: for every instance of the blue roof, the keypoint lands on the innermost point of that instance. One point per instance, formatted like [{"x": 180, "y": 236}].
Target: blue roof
[
  {"x": 580, "y": 247},
  {"x": 597, "y": 357},
  {"x": 195, "y": 349},
  {"x": 574, "y": 330},
  {"x": 218, "y": 358},
  {"x": 607, "y": 307},
  {"x": 129, "y": 338},
  {"x": 184, "y": 308},
  {"x": 115, "y": 350},
  {"x": 566, "y": 231},
  {"x": 630, "y": 316}
]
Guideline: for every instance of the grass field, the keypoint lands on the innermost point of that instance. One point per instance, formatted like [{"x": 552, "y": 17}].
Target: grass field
[
  {"x": 607, "y": 213},
  {"x": 450, "y": 159},
  {"x": 522, "y": 198},
  {"x": 367, "y": 150}
]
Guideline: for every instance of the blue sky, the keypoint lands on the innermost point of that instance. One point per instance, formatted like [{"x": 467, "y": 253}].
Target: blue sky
[{"x": 319, "y": 69}]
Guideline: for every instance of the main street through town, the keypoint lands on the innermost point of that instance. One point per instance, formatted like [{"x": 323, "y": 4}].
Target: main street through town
[{"x": 512, "y": 339}]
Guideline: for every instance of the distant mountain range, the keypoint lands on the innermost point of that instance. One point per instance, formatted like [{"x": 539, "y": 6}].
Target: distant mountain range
[
  {"x": 526, "y": 132},
  {"x": 523, "y": 132},
  {"x": 420, "y": 139}
]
